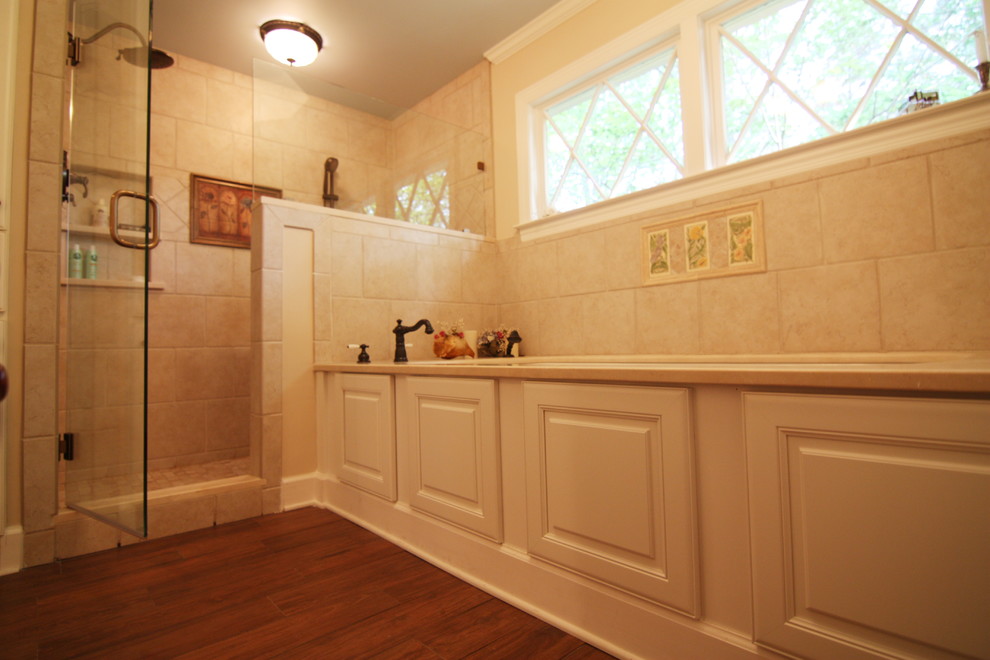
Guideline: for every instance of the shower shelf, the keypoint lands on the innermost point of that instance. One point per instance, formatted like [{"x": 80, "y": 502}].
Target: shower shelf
[
  {"x": 103, "y": 234},
  {"x": 90, "y": 230},
  {"x": 112, "y": 284}
]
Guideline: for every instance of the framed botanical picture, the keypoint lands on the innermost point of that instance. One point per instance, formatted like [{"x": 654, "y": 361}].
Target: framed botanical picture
[{"x": 220, "y": 211}]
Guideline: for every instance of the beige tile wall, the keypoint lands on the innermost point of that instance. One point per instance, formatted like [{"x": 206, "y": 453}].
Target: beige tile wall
[
  {"x": 367, "y": 273},
  {"x": 295, "y": 133},
  {"x": 202, "y": 121},
  {"x": 890, "y": 253},
  {"x": 39, "y": 439}
]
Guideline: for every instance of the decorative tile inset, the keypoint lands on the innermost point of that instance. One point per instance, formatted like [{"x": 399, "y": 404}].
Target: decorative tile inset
[
  {"x": 658, "y": 244},
  {"x": 722, "y": 242},
  {"x": 696, "y": 238},
  {"x": 740, "y": 238}
]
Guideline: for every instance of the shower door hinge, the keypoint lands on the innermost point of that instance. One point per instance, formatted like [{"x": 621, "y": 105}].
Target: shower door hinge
[
  {"x": 74, "y": 53},
  {"x": 67, "y": 446}
]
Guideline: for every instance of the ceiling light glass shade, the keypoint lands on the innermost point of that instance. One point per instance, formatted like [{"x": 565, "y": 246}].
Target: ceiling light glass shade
[{"x": 290, "y": 42}]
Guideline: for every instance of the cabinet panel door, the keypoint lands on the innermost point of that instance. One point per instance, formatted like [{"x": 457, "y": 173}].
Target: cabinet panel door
[
  {"x": 610, "y": 490},
  {"x": 449, "y": 429},
  {"x": 871, "y": 525},
  {"x": 364, "y": 453}
]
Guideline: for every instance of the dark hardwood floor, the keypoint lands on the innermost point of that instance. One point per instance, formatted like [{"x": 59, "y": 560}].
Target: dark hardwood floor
[{"x": 302, "y": 584}]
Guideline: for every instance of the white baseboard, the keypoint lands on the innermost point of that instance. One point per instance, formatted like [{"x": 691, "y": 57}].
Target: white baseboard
[
  {"x": 11, "y": 550},
  {"x": 301, "y": 491},
  {"x": 615, "y": 622}
]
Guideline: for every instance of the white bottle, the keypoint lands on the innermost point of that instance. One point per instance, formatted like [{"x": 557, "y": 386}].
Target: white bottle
[
  {"x": 99, "y": 217},
  {"x": 92, "y": 263},
  {"x": 75, "y": 262}
]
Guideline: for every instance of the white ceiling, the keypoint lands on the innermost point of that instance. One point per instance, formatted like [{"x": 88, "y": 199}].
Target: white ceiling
[{"x": 398, "y": 51}]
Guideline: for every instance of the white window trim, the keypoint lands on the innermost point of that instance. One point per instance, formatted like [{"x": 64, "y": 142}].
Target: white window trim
[{"x": 685, "y": 22}]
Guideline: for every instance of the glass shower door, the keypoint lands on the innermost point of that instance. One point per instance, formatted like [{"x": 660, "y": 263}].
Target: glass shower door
[{"x": 109, "y": 227}]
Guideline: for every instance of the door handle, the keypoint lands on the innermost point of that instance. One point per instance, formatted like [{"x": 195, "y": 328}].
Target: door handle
[
  {"x": 3, "y": 383},
  {"x": 155, "y": 238}
]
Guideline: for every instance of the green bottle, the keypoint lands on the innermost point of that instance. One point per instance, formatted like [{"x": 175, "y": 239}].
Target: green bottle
[
  {"x": 92, "y": 262},
  {"x": 75, "y": 262}
]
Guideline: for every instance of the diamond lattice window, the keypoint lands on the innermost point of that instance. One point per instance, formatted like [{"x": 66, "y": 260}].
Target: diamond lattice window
[
  {"x": 426, "y": 201},
  {"x": 617, "y": 135},
  {"x": 797, "y": 70}
]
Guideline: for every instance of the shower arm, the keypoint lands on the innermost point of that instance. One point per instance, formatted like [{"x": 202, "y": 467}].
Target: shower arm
[
  {"x": 76, "y": 43},
  {"x": 114, "y": 26}
]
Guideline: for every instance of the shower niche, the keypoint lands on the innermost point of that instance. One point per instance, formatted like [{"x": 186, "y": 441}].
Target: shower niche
[{"x": 86, "y": 223}]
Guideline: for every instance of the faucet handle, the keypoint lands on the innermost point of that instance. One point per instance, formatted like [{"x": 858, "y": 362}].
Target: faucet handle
[{"x": 363, "y": 357}]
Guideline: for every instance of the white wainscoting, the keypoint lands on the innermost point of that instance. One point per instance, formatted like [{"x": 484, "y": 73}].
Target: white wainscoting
[
  {"x": 609, "y": 478},
  {"x": 870, "y": 525},
  {"x": 363, "y": 420},
  {"x": 447, "y": 433}
]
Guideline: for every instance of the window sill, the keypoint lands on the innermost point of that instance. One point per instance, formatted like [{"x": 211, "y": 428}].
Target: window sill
[{"x": 929, "y": 125}]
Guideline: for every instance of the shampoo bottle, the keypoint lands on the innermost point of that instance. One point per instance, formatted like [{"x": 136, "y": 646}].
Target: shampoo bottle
[
  {"x": 75, "y": 262},
  {"x": 92, "y": 262}
]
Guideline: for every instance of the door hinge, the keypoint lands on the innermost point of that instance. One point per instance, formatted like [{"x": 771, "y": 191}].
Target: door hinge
[{"x": 67, "y": 446}]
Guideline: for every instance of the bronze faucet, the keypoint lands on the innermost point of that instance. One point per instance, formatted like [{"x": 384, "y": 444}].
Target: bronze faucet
[{"x": 400, "y": 337}]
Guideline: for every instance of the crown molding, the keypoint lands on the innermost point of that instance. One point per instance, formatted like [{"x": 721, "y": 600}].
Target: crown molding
[{"x": 535, "y": 29}]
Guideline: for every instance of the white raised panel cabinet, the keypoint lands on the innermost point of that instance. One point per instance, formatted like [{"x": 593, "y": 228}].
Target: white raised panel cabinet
[
  {"x": 609, "y": 483},
  {"x": 870, "y": 520},
  {"x": 364, "y": 433},
  {"x": 449, "y": 448}
]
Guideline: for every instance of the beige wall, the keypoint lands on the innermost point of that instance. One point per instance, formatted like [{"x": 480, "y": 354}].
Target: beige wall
[
  {"x": 41, "y": 258},
  {"x": 366, "y": 273},
  {"x": 296, "y": 132},
  {"x": 597, "y": 25},
  {"x": 198, "y": 334},
  {"x": 886, "y": 253},
  {"x": 889, "y": 253}
]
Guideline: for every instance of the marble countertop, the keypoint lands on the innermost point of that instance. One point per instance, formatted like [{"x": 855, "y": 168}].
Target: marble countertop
[{"x": 916, "y": 372}]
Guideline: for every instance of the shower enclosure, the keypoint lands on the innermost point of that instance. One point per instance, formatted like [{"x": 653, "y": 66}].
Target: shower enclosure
[{"x": 110, "y": 227}]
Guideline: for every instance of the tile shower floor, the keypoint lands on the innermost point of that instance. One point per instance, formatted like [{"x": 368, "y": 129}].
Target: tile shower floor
[
  {"x": 161, "y": 479},
  {"x": 194, "y": 474}
]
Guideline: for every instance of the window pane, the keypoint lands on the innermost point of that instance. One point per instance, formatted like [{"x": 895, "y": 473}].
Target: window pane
[
  {"x": 838, "y": 49},
  {"x": 764, "y": 31},
  {"x": 914, "y": 66},
  {"x": 836, "y": 65},
  {"x": 607, "y": 139},
  {"x": 665, "y": 121},
  {"x": 638, "y": 85},
  {"x": 744, "y": 82},
  {"x": 778, "y": 123},
  {"x": 620, "y": 133},
  {"x": 648, "y": 167},
  {"x": 568, "y": 117},
  {"x": 950, "y": 23},
  {"x": 554, "y": 160},
  {"x": 426, "y": 201},
  {"x": 576, "y": 192}
]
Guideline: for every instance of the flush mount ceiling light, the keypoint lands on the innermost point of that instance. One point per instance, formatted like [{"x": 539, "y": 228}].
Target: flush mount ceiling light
[{"x": 291, "y": 42}]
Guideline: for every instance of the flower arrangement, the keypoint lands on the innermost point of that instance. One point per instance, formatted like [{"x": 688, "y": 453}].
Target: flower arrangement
[
  {"x": 449, "y": 342},
  {"x": 494, "y": 343},
  {"x": 447, "y": 329}
]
